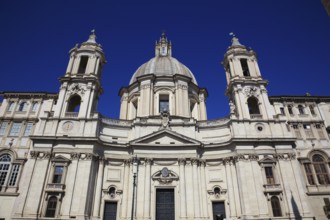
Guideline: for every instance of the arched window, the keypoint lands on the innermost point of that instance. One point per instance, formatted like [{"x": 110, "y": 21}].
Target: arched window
[
  {"x": 253, "y": 106},
  {"x": 311, "y": 108},
  {"x": 51, "y": 207},
  {"x": 290, "y": 109},
  {"x": 11, "y": 106},
  {"x": 276, "y": 206},
  {"x": 5, "y": 162},
  {"x": 22, "y": 107},
  {"x": 74, "y": 104},
  {"x": 320, "y": 169},
  {"x": 301, "y": 109},
  {"x": 34, "y": 106}
]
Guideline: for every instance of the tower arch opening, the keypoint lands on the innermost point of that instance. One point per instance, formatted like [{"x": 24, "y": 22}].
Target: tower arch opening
[
  {"x": 253, "y": 106},
  {"x": 74, "y": 104}
]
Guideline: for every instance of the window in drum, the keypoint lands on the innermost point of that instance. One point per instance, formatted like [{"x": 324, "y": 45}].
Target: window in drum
[{"x": 164, "y": 103}]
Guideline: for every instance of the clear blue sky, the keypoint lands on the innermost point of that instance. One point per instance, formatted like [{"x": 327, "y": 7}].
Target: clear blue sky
[{"x": 291, "y": 38}]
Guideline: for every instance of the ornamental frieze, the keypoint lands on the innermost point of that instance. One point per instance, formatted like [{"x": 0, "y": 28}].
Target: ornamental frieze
[
  {"x": 285, "y": 156},
  {"x": 76, "y": 89},
  {"x": 41, "y": 154},
  {"x": 250, "y": 91}
]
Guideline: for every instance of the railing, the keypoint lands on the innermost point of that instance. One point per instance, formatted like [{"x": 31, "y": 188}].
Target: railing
[
  {"x": 272, "y": 187},
  {"x": 116, "y": 122},
  {"x": 55, "y": 186},
  {"x": 210, "y": 123},
  {"x": 256, "y": 116}
]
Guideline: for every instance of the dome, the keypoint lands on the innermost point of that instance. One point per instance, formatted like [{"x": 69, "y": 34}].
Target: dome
[{"x": 163, "y": 66}]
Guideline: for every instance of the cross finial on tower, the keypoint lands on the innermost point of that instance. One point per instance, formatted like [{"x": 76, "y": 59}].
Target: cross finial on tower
[{"x": 234, "y": 40}]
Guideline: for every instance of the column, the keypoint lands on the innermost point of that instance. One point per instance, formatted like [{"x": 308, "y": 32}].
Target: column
[
  {"x": 235, "y": 186},
  {"x": 183, "y": 203},
  {"x": 147, "y": 189},
  {"x": 232, "y": 205},
  {"x": 203, "y": 190},
  {"x": 98, "y": 194},
  {"x": 196, "y": 188},
  {"x": 125, "y": 203}
]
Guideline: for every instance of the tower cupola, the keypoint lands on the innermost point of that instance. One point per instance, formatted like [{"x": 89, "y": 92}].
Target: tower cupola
[
  {"x": 86, "y": 59},
  {"x": 246, "y": 88},
  {"x": 81, "y": 85}
]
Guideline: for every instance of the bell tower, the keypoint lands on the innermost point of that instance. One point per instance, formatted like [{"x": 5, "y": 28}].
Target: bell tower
[
  {"x": 246, "y": 88},
  {"x": 81, "y": 87}
]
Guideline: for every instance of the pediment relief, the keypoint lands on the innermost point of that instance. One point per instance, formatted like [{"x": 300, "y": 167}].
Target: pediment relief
[{"x": 165, "y": 137}]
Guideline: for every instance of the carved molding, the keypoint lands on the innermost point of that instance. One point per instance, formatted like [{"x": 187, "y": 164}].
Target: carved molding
[
  {"x": 285, "y": 156},
  {"x": 41, "y": 154},
  {"x": 181, "y": 86},
  {"x": 75, "y": 88},
  {"x": 182, "y": 161},
  {"x": 165, "y": 176},
  {"x": 250, "y": 91}
]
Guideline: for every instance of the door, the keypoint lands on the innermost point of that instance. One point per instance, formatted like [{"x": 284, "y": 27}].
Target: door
[
  {"x": 165, "y": 204},
  {"x": 219, "y": 211},
  {"x": 110, "y": 211}
]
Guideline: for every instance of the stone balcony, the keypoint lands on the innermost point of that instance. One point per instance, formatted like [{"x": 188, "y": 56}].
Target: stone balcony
[
  {"x": 55, "y": 187},
  {"x": 276, "y": 187}
]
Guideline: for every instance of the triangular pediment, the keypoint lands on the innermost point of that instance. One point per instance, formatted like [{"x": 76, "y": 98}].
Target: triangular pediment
[{"x": 165, "y": 137}]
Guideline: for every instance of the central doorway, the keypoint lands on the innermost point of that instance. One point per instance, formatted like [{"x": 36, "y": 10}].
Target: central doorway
[
  {"x": 219, "y": 210},
  {"x": 165, "y": 204}
]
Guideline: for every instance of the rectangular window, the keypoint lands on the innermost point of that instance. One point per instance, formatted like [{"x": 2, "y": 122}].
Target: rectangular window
[
  {"x": 58, "y": 173},
  {"x": 163, "y": 103},
  {"x": 296, "y": 131},
  {"x": 282, "y": 111},
  {"x": 3, "y": 127},
  {"x": 15, "y": 129},
  {"x": 308, "y": 131},
  {"x": 83, "y": 64},
  {"x": 14, "y": 175},
  {"x": 28, "y": 129},
  {"x": 245, "y": 67},
  {"x": 269, "y": 175},
  {"x": 309, "y": 173}
]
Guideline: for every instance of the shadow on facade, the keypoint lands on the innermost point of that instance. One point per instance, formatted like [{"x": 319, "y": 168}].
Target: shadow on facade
[{"x": 295, "y": 209}]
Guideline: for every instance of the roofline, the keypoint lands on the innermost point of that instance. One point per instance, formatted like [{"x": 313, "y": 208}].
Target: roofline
[
  {"x": 300, "y": 98},
  {"x": 17, "y": 93}
]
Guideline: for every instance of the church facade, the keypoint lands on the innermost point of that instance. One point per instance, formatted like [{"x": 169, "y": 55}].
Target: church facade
[{"x": 162, "y": 159}]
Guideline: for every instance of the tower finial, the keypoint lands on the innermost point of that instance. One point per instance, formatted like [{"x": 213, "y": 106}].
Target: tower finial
[
  {"x": 92, "y": 37},
  {"x": 234, "y": 40}
]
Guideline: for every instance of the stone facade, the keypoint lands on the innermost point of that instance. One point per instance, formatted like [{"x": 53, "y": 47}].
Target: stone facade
[{"x": 60, "y": 159}]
